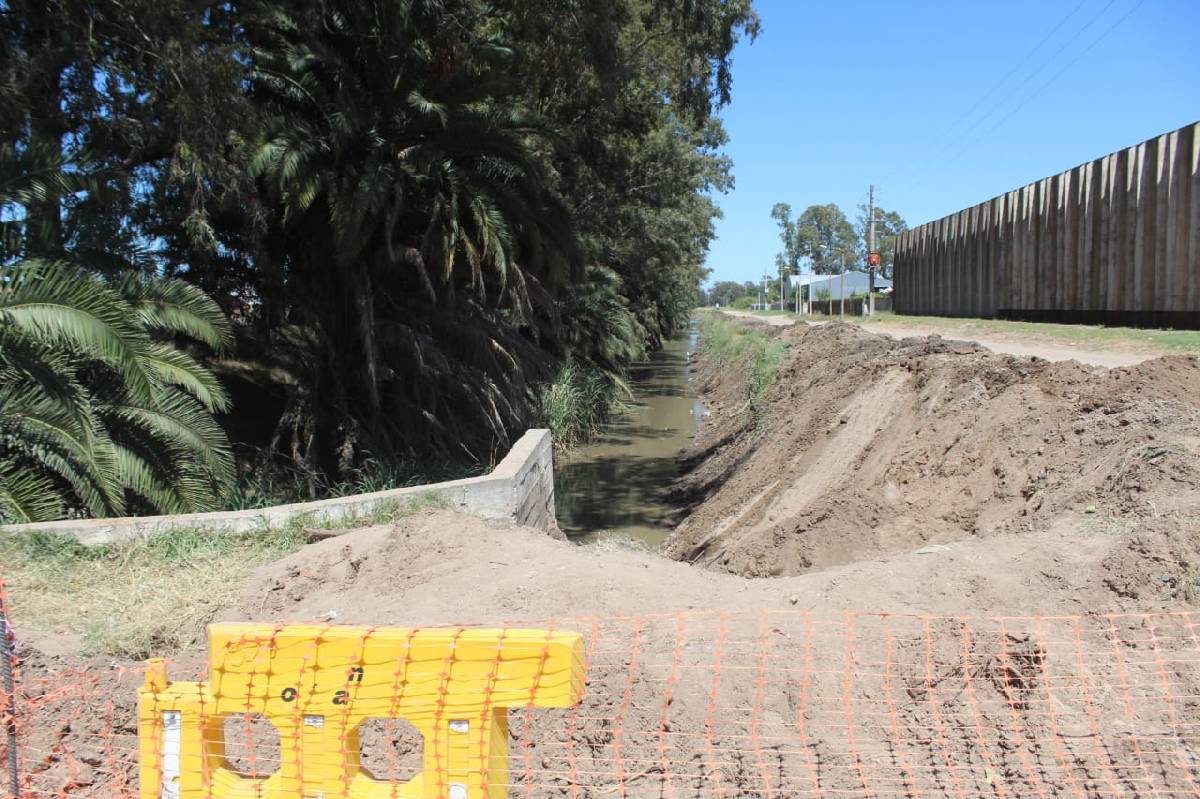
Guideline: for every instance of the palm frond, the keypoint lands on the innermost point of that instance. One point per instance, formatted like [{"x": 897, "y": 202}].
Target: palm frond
[
  {"x": 77, "y": 450},
  {"x": 68, "y": 309},
  {"x": 174, "y": 307},
  {"x": 177, "y": 368},
  {"x": 92, "y": 407},
  {"x": 147, "y": 480},
  {"x": 179, "y": 422},
  {"x": 27, "y": 495},
  {"x": 25, "y": 360}
]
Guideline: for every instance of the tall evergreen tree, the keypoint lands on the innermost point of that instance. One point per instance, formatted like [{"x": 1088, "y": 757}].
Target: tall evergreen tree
[{"x": 414, "y": 210}]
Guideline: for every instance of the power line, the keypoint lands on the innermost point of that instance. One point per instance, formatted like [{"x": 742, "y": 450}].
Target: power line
[
  {"x": 1053, "y": 77},
  {"x": 1016, "y": 68},
  {"x": 1031, "y": 75},
  {"x": 951, "y": 145},
  {"x": 1030, "y": 97}
]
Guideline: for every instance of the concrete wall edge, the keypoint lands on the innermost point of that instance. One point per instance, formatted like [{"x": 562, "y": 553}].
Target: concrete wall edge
[{"x": 507, "y": 493}]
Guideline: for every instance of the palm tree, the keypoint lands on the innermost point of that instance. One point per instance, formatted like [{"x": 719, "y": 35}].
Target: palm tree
[
  {"x": 100, "y": 411},
  {"x": 422, "y": 244},
  {"x": 103, "y": 410}
]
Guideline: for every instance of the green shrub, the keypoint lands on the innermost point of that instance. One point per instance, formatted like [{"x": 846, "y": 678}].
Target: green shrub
[
  {"x": 736, "y": 347},
  {"x": 764, "y": 372},
  {"x": 578, "y": 403}
]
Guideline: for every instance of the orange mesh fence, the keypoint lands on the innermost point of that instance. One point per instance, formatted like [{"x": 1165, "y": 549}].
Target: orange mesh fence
[{"x": 770, "y": 704}]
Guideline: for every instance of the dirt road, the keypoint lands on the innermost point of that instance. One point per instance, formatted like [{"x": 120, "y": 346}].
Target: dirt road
[{"x": 1006, "y": 344}]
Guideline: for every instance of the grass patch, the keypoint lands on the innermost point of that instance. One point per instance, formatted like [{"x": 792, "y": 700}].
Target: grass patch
[
  {"x": 580, "y": 401},
  {"x": 741, "y": 348},
  {"x": 151, "y": 596},
  {"x": 1094, "y": 336},
  {"x": 1107, "y": 525}
]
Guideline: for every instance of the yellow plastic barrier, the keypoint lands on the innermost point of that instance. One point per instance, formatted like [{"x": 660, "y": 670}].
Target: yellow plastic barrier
[{"x": 317, "y": 685}]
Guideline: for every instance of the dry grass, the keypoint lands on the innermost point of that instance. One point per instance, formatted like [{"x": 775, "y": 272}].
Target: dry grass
[
  {"x": 1107, "y": 524},
  {"x": 1095, "y": 337},
  {"x": 148, "y": 597}
]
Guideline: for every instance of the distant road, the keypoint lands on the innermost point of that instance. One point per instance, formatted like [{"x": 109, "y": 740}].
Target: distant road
[{"x": 1014, "y": 343}]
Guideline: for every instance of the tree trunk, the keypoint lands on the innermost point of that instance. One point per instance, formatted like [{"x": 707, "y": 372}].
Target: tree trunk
[{"x": 364, "y": 307}]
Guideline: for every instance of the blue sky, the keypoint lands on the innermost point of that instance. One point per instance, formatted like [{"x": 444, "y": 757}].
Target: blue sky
[{"x": 940, "y": 104}]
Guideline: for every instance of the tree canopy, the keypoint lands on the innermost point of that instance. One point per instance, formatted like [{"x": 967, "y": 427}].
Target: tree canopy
[
  {"x": 888, "y": 225},
  {"x": 413, "y": 211},
  {"x": 824, "y": 234}
]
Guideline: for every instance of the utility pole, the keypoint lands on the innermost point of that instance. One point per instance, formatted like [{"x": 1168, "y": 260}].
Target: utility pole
[
  {"x": 872, "y": 258},
  {"x": 781, "y": 289}
]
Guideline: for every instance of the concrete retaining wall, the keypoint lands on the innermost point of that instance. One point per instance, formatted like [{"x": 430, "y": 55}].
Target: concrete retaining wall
[
  {"x": 520, "y": 489},
  {"x": 1113, "y": 241}
]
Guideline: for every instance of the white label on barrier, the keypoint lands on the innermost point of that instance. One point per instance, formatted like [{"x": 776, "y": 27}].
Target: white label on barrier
[
  {"x": 460, "y": 725},
  {"x": 171, "y": 748},
  {"x": 314, "y": 721},
  {"x": 458, "y": 790}
]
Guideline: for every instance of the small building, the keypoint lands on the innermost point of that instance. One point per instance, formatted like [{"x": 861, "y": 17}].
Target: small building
[{"x": 839, "y": 286}]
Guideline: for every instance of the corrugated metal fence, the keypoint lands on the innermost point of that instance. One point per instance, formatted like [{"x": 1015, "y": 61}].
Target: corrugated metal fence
[{"x": 1115, "y": 241}]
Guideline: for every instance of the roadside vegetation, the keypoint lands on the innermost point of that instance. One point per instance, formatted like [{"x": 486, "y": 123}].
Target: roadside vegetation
[
  {"x": 1096, "y": 337},
  {"x": 134, "y": 599},
  {"x": 428, "y": 224},
  {"x": 1093, "y": 336},
  {"x": 745, "y": 349}
]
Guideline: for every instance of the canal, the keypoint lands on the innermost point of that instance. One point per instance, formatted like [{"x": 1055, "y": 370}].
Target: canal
[{"x": 614, "y": 490}]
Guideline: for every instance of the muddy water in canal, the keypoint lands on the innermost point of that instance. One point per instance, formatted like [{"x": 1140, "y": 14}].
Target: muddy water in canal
[{"x": 614, "y": 490}]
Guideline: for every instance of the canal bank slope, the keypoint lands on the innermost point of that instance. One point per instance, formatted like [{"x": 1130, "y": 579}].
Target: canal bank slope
[{"x": 868, "y": 447}]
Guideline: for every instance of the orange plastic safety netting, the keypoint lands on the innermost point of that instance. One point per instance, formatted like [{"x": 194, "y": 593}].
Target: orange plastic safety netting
[{"x": 778, "y": 703}]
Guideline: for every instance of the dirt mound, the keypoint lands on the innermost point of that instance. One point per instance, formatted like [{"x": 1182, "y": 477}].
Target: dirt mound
[
  {"x": 707, "y": 684},
  {"x": 677, "y": 655},
  {"x": 871, "y": 446},
  {"x": 441, "y": 567}
]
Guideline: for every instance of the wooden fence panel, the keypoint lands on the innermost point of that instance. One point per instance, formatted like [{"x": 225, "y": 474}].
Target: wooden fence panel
[{"x": 1115, "y": 240}]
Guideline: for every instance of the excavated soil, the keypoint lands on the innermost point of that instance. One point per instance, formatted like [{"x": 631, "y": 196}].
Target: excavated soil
[
  {"x": 868, "y": 446},
  {"x": 992, "y": 671},
  {"x": 984, "y": 575}
]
